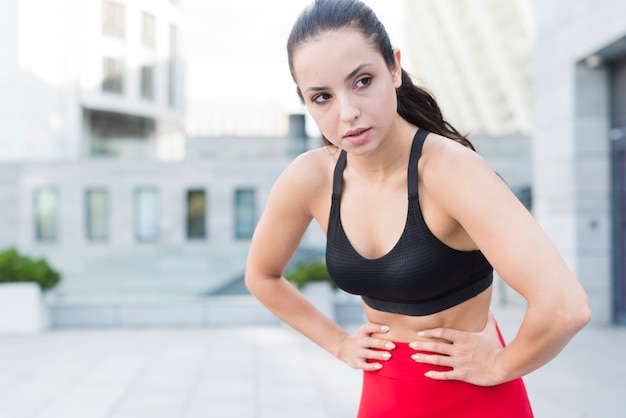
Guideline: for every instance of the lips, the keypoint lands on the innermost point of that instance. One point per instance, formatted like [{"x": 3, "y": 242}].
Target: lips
[
  {"x": 357, "y": 136},
  {"x": 355, "y": 132}
]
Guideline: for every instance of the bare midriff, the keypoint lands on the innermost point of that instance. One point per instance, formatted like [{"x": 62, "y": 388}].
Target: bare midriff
[{"x": 470, "y": 316}]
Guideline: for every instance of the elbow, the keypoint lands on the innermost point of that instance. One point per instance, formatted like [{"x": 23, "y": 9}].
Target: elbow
[
  {"x": 576, "y": 315},
  {"x": 584, "y": 314},
  {"x": 249, "y": 282},
  {"x": 255, "y": 282}
]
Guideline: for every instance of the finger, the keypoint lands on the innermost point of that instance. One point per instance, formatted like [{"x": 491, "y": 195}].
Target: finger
[
  {"x": 433, "y": 347},
  {"x": 377, "y": 355},
  {"x": 374, "y": 360},
  {"x": 433, "y": 359},
  {"x": 443, "y": 333},
  {"x": 451, "y": 375},
  {"x": 371, "y": 328},
  {"x": 379, "y": 344},
  {"x": 370, "y": 366}
]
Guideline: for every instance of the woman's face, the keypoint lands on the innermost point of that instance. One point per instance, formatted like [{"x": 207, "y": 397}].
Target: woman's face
[{"x": 347, "y": 88}]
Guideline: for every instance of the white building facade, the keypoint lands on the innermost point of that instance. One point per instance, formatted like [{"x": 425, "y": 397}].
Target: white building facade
[
  {"x": 85, "y": 78},
  {"x": 476, "y": 58},
  {"x": 578, "y": 145},
  {"x": 140, "y": 242}
]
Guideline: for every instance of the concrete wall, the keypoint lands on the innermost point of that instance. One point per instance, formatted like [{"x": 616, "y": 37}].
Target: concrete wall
[
  {"x": 9, "y": 174},
  {"x": 121, "y": 268},
  {"x": 571, "y": 146}
]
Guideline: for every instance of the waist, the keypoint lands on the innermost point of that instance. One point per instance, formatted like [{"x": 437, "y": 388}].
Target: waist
[{"x": 470, "y": 315}]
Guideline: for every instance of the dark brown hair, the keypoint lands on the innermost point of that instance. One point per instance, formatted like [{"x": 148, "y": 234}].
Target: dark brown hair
[{"x": 415, "y": 104}]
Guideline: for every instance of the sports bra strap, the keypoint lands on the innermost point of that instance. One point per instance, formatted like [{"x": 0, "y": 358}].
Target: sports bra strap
[
  {"x": 416, "y": 151},
  {"x": 338, "y": 176}
]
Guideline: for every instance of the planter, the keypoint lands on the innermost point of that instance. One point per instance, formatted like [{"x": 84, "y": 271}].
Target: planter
[
  {"x": 320, "y": 294},
  {"x": 22, "y": 309}
]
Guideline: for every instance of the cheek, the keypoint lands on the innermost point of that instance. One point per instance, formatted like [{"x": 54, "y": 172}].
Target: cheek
[
  {"x": 385, "y": 106},
  {"x": 390, "y": 106},
  {"x": 325, "y": 121}
]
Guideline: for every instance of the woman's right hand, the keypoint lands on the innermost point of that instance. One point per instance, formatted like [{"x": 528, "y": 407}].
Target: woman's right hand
[{"x": 362, "y": 351}]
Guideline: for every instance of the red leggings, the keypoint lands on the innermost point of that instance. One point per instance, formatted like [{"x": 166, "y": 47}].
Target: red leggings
[{"x": 400, "y": 390}]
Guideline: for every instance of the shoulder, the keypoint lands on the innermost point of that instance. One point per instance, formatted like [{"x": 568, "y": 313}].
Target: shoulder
[
  {"x": 308, "y": 176},
  {"x": 456, "y": 178},
  {"x": 445, "y": 162},
  {"x": 311, "y": 168}
]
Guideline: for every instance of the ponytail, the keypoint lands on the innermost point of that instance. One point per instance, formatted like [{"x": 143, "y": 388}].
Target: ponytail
[{"x": 418, "y": 106}]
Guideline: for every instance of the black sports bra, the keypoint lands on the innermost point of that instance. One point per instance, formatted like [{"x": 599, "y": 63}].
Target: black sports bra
[{"x": 420, "y": 275}]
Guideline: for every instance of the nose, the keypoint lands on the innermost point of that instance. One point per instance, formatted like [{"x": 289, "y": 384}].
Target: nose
[{"x": 348, "y": 111}]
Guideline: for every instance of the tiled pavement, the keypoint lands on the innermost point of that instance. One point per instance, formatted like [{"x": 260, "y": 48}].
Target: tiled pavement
[{"x": 255, "y": 372}]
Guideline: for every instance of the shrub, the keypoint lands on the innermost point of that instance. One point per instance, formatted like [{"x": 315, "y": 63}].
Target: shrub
[
  {"x": 310, "y": 271},
  {"x": 15, "y": 267}
]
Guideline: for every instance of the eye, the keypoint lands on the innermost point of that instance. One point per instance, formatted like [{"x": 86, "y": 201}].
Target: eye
[
  {"x": 363, "y": 82},
  {"x": 320, "y": 98}
]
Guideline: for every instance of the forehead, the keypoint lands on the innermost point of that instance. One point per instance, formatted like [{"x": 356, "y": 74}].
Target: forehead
[{"x": 333, "y": 54}]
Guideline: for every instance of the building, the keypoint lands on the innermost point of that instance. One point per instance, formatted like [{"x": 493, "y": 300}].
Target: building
[
  {"x": 578, "y": 144},
  {"x": 91, "y": 78},
  {"x": 476, "y": 57},
  {"x": 135, "y": 233}
]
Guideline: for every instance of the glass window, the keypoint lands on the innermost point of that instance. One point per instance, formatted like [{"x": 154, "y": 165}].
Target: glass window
[
  {"x": 147, "y": 214},
  {"x": 46, "y": 214},
  {"x": 196, "y": 214},
  {"x": 147, "y": 82},
  {"x": 113, "y": 19},
  {"x": 112, "y": 75},
  {"x": 97, "y": 202},
  {"x": 148, "y": 30},
  {"x": 245, "y": 213}
]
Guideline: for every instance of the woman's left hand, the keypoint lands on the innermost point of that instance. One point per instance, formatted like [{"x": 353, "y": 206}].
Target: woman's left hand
[{"x": 471, "y": 355}]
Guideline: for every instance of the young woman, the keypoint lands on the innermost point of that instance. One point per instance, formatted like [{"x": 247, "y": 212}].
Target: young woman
[{"x": 415, "y": 220}]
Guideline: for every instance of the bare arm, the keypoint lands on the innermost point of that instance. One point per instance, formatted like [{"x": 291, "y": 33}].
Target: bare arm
[
  {"x": 279, "y": 231},
  {"x": 462, "y": 185}
]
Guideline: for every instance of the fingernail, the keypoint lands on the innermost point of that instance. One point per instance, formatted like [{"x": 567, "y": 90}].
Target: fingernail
[
  {"x": 384, "y": 328},
  {"x": 413, "y": 345},
  {"x": 415, "y": 356},
  {"x": 386, "y": 356},
  {"x": 421, "y": 334},
  {"x": 390, "y": 346},
  {"x": 378, "y": 366}
]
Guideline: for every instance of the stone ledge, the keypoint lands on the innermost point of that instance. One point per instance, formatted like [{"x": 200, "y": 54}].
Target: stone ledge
[{"x": 210, "y": 311}]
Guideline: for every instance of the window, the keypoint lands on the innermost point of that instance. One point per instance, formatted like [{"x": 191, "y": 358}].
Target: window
[
  {"x": 171, "y": 73},
  {"x": 46, "y": 214},
  {"x": 147, "y": 214},
  {"x": 113, "y": 19},
  {"x": 245, "y": 213},
  {"x": 196, "y": 214},
  {"x": 147, "y": 82},
  {"x": 97, "y": 202},
  {"x": 148, "y": 31},
  {"x": 112, "y": 80}
]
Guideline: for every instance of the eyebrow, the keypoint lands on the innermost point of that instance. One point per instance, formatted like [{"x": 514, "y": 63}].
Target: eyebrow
[{"x": 348, "y": 77}]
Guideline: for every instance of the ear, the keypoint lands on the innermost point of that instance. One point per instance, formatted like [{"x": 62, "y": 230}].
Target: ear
[{"x": 396, "y": 73}]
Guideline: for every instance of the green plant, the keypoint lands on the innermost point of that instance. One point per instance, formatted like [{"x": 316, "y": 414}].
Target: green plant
[
  {"x": 15, "y": 267},
  {"x": 310, "y": 271}
]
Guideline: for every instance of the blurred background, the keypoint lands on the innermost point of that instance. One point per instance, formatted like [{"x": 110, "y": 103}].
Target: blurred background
[{"x": 139, "y": 139}]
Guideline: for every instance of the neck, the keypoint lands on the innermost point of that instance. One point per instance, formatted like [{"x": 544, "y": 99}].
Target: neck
[{"x": 391, "y": 156}]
